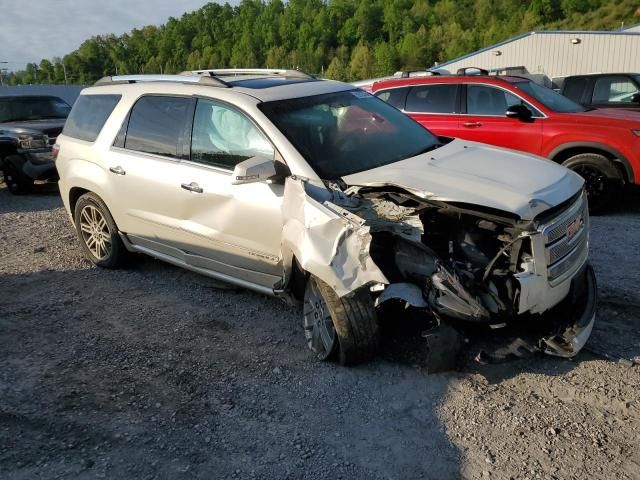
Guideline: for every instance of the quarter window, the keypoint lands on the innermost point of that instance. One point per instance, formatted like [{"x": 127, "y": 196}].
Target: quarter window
[
  {"x": 439, "y": 98},
  {"x": 88, "y": 116},
  {"x": 158, "y": 125},
  {"x": 223, "y": 137}
]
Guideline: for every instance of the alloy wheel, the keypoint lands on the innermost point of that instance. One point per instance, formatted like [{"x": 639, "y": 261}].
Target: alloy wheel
[
  {"x": 95, "y": 231},
  {"x": 318, "y": 326}
]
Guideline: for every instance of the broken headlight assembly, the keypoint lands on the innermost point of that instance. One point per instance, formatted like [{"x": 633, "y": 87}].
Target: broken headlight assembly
[{"x": 33, "y": 142}]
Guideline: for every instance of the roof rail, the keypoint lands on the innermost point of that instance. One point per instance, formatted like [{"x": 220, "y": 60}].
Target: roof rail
[
  {"x": 472, "y": 71},
  {"x": 123, "y": 79},
  {"x": 235, "y": 72},
  {"x": 417, "y": 73}
]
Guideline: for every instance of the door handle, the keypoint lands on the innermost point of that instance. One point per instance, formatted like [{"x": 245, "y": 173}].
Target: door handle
[
  {"x": 472, "y": 124},
  {"x": 192, "y": 187},
  {"x": 117, "y": 170}
]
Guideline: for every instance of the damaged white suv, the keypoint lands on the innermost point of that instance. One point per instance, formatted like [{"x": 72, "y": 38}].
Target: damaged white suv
[{"x": 320, "y": 193}]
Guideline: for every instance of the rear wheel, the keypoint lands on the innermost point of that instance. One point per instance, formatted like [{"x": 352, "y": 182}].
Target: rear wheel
[
  {"x": 17, "y": 182},
  {"x": 602, "y": 179},
  {"x": 97, "y": 232},
  {"x": 345, "y": 327}
]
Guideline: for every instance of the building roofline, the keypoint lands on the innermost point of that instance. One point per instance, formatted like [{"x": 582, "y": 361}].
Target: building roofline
[
  {"x": 536, "y": 32},
  {"x": 629, "y": 27}
]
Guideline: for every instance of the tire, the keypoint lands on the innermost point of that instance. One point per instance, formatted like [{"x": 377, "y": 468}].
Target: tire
[
  {"x": 17, "y": 182},
  {"x": 98, "y": 233},
  {"x": 602, "y": 178},
  {"x": 350, "y": 324}
]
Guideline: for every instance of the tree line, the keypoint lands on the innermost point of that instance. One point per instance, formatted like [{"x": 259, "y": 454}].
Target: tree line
[{"x": 339, "y": 39}]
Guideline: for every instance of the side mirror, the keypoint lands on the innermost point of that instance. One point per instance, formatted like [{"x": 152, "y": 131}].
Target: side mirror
[
  {"x": 519, "y": 111},
  {"x": 635, "y": 98},
  {"x": 254, "y": 169}
]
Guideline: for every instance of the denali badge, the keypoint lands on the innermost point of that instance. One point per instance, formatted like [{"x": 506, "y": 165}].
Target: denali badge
[{"x": 574, "y": 227}]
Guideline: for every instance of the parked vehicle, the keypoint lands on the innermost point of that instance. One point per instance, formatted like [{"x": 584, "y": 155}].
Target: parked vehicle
[
  {"x": 601, "y": 145},
  {"x": 604, "y": 90},
  {"x": 319, "y": 193},
  {"x": 29, "y": 126}
]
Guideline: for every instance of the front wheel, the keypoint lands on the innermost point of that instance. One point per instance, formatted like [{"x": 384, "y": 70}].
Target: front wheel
[
  {"x": 601, "y": 177},
  {"x": 346, "y": 327},
  {"x": 17, "y": 182},
  {"x": 98, "y": 233}
]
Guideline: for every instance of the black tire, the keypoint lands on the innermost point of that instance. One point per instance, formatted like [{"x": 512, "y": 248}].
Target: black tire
[
  {"x": 17, "y": 182},
  {"x": 603, "y": 180},
  {"x": 353, "y": 319},
  {"x": 108, "y": 251}
]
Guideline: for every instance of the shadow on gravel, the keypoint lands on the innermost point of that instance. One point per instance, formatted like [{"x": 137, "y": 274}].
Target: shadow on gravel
[
  {"x": 45, "y": 196},
  {"x": 156, "y": 371}
]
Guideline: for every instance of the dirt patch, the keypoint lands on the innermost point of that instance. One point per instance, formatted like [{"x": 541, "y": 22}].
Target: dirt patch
[{"x": 155, "y": 372}]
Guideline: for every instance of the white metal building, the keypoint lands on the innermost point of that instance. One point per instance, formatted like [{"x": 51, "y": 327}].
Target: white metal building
[{"x": 558, "y": 54}]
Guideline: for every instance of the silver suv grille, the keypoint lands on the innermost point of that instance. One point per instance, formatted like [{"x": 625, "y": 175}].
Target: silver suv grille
[{"x": 567, "y": 241}]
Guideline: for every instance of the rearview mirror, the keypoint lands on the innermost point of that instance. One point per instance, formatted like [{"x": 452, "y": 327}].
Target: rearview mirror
[
  {"x": 635, "y": 98},
  {"x": 519, "y": 111},
  {"x": 254, "y": 169}
]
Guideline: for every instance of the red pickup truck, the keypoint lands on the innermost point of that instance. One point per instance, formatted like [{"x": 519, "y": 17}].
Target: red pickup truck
[{"x": 602, "y": 145}]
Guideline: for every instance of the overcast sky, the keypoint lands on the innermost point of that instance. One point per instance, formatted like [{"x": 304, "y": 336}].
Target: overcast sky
[{"x": 31, "y": 30}]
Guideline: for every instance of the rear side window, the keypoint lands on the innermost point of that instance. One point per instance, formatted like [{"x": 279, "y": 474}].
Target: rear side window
[
  {"x": 394, "y": 97},
  {"x": 573, "y": 88},
  {"x": 432, "y": 99},
  {"x": 88, "y": 116},
  {"x": 159, "y": 125}
]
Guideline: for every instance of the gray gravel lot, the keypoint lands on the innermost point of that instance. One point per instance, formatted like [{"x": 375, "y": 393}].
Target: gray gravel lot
[{"x": 155, "y": 372}]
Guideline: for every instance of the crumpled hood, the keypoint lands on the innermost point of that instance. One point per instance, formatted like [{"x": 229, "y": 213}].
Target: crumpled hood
[{"x": 479, "y": 174}]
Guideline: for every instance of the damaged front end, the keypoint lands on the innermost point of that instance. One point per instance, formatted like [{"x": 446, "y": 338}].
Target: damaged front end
[{"x": 456, "y": 263}]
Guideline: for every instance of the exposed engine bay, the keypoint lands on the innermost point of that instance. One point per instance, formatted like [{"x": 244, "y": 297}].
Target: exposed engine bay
[
  {"x": 456, "y": 263},
  {"x": 462, "y": 264}
]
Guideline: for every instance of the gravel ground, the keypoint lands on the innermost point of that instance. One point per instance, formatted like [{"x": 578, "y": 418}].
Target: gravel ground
[{"x": 155, "y": 372}]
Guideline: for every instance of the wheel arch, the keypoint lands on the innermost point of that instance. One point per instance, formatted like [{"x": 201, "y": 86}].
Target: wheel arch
[
  {"x": 568, "y": 150},
  {"x": 74, "y": 194}
]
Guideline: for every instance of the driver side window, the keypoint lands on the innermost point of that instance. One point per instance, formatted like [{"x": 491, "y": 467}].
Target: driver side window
[
  {"x": 486, "y": 100},
  {"x": 223, "y": 137}
]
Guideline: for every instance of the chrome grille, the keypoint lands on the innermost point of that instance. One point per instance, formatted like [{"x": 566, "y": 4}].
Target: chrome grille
[{"x": 567, "y": 240}]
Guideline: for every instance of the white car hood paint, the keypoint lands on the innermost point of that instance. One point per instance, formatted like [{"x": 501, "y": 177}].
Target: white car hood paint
[{"x": 479, "y": 174}]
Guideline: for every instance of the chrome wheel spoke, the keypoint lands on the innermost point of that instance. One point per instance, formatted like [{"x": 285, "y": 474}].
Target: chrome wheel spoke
[{"x": 95, "y": 232}]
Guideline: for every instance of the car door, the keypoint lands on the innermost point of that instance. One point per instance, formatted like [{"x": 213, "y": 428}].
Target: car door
[
  {"x": 144, "y": 165},
  {"x": 435, "y": 106},
  {"x": 484, "y": 119},
  {"x": 232, "y": 229}
]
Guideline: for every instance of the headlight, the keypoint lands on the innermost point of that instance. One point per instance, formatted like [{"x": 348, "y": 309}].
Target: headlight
[
  {"x": 31, "y": 142},
  {"x": 636, "y": 131}
]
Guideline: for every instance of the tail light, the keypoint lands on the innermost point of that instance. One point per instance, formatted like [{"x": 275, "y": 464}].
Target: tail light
[{"x": 54, "y": 151}]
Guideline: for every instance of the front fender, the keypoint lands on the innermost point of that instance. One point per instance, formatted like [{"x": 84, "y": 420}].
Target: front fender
[{"x": 329, "y": 246}]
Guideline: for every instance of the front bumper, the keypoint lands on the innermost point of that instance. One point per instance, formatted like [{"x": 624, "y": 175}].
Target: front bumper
[
  {"x": 38, "y": 165},
  {"x": 579, "y": 308},
  {"x": 562, "y": 331}
]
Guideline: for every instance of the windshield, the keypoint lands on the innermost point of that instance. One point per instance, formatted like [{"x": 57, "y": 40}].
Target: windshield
[
  {"x": 343, "y": 133},
  {"x": 15, "y": 109},
  {"x": 550, "y": 99}
]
